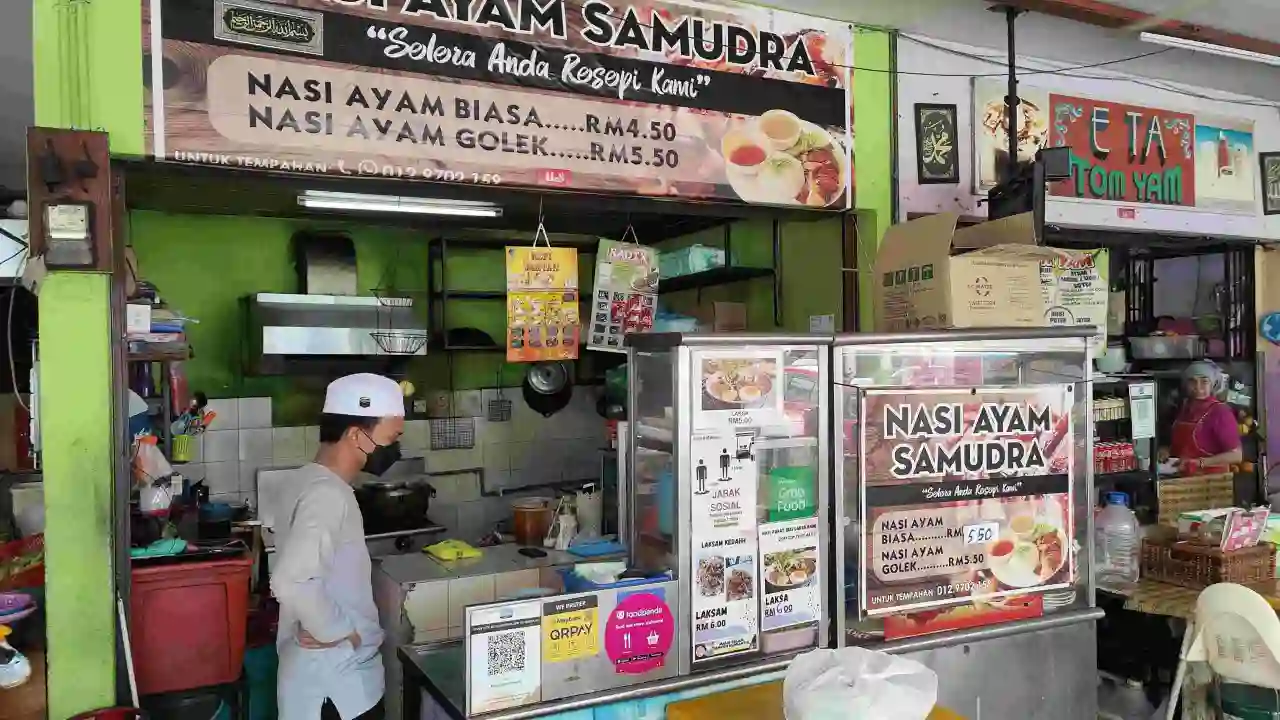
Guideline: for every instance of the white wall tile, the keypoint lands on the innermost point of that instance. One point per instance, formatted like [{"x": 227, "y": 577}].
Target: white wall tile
[
  {"x": 417, "y": 435},
  {"x": 228, "y": 417},
  {"x": 249, "y": 475},
  {"x": 468, "y": 591},
  {"x": 256, "y": 444},
  {"x": 255, "y": 412},
  {"x": 221, "y": 445},
  {"x": 472, "y": 520},
  {"x": 446, "y": 487},
  {"x": 234, "y": 498},
  {"x": 497, "y": 479},
  {"x": 222, "y": 477},
  {"x": 423, "y": 609},
  {"x": 489, "y": 432},
  {"x": 521, "y": 455},
  {"x": 311, "y": 438},
  {"x": 496, "y": 456},
  {"x": 450, "y": 460},
  {"x": 467, "y": 403},
  {"x": 288, "y": 443},
  {"x": 191, "y": 472}
]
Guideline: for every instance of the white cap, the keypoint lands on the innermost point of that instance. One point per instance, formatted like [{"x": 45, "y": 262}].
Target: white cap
[{"x": 364, "y": 395}]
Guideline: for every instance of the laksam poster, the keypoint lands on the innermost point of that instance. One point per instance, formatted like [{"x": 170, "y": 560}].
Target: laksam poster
[
  {"x": 706, "y": 100},
  {"x": 1121, "y": 152},
  {"x": 967, "y": 495}
]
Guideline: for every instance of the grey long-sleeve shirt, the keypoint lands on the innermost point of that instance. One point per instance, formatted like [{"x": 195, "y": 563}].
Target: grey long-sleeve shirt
[{"x": 322, "y": 578}]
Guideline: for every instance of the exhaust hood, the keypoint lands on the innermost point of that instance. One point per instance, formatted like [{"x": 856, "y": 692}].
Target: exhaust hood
[{"x": 336, "y": 328}]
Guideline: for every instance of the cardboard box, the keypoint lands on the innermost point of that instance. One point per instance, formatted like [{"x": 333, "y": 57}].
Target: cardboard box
[
  {"x": 723, "y": 317},
  {"x": 921, "y": 284}
]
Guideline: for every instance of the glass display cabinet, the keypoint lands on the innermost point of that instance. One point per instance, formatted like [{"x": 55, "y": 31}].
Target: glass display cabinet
[
  {"x": 963, "y": 480},
  {"x": 729, "y": 483}
]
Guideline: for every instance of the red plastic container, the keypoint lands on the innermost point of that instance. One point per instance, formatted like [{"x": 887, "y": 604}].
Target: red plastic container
[{"x": 188, "y": 624}]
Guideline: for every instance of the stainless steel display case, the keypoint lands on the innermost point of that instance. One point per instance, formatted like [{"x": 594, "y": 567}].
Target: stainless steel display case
[
  {"x": 952, "y": 601},
  {"x": 728, "y": 448},
  {"x": 941, "y": 364}
]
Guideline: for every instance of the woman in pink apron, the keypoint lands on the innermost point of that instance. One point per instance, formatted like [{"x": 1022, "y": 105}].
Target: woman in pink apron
[{"x": 1205, "y": 433}]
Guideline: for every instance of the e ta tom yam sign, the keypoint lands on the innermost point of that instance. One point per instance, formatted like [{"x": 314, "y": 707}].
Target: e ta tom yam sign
[{"x": 1124, "y": 153}]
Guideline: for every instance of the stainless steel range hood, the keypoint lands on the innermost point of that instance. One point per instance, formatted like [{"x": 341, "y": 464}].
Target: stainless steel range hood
[{"x": 333, "y": 327}]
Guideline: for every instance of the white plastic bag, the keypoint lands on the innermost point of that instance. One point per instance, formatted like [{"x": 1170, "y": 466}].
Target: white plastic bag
[{"x": 858, "y": 683}]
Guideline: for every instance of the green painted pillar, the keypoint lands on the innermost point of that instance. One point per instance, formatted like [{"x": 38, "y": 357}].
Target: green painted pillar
[
  {"x": 874, "y": 163},
  {"x": 76, "y": 433},
  {"x": 88, "y": 74}
]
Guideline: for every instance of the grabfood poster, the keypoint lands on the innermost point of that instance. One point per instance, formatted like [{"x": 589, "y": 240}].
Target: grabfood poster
[
  {"x": 967, "y": 495},
  {"x": 679, "y": 99}
]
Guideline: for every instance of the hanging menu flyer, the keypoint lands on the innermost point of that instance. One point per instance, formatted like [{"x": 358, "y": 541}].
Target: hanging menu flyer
[
  {"x": 967, "y": 495},
  {"x": 542, "y": 304},
  {"x": 724, "y": 545},
  {"x": 792, "y": 574},
  {"x": 626, "y": 294}
]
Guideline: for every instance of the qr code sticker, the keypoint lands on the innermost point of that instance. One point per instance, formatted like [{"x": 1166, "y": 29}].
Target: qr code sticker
[{"x": 506, "y": 653}]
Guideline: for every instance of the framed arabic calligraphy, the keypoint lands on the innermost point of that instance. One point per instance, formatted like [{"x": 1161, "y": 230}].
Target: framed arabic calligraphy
[
  {"x": 937, "y": 155},
  {"x": 279, "y": 27},
  {"x": 1270, "y": 172}
]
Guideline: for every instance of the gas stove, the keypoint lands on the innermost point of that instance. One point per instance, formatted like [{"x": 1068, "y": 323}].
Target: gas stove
[{"x": 403, "y": 541}]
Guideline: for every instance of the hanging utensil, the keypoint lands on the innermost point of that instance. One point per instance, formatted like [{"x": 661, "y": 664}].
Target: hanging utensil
[{"x": 548, "y": 387}]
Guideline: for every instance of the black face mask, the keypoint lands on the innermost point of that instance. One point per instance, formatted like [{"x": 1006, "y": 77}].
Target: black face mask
[{"x": 381, "y": 458}]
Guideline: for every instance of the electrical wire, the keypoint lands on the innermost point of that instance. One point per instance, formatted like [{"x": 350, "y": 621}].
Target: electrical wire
[
  {"x": 1026, "y": 70},
  {"x": 1029, "y": 71},
  {"x": 1067, "y": 71},
  {"x": 8, "y": 330},
  {"x": 8, "y": 336}
]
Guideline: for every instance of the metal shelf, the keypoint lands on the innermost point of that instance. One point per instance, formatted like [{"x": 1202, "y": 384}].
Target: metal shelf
[{"x": 716, "y": 276}]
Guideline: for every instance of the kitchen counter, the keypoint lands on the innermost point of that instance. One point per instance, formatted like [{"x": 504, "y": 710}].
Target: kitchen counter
[
  {"x": 438, "y": 669},
  {"x": 421, "y": 567}
]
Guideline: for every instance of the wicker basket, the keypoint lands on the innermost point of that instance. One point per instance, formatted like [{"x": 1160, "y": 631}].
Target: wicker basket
[
  {"x": 1201, "y": 492},
  {"x": 1199, "y": 566}
]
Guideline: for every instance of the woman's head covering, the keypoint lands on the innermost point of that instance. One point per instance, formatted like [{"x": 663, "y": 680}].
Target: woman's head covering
[{"x": 1206, "y": 369}]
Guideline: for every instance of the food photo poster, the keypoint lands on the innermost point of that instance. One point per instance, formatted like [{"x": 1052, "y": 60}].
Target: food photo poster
[{"x": 967, "y": 495}]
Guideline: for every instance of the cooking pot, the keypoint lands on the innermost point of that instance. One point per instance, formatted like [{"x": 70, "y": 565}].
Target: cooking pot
[
  {"x": 389, "y": 507},
  {"x": 548, "y": 387}
]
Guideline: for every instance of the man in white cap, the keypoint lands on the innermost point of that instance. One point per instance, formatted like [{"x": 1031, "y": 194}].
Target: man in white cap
[{"x": 329, "y": 636}]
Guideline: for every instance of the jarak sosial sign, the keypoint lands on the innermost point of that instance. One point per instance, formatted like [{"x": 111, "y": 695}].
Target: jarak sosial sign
[{"x": 676, "y": 98}]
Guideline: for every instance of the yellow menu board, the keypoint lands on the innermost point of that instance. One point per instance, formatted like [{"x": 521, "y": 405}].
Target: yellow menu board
[
  {"x": 543, "y": 313},
  {"x": 570, "y": 629}
]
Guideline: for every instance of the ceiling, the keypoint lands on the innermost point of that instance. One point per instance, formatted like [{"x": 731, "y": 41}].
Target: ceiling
[{"x": 1256, "y": 18}]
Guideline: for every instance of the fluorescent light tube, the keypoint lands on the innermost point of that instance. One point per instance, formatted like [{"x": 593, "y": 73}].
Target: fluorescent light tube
[
  {"x": 360, "y": 202},
  {"x": 1197, "y": 46}
]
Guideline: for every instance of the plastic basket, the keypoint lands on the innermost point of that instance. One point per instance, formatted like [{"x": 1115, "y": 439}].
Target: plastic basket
[
  {"x": 1179, "y": 495},
  {"x": 193, "y": 629},
  {"x": 182, "y": 447},
  {"x": 574, "y": 583},
  {"x": 1198, "y": 566}
]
